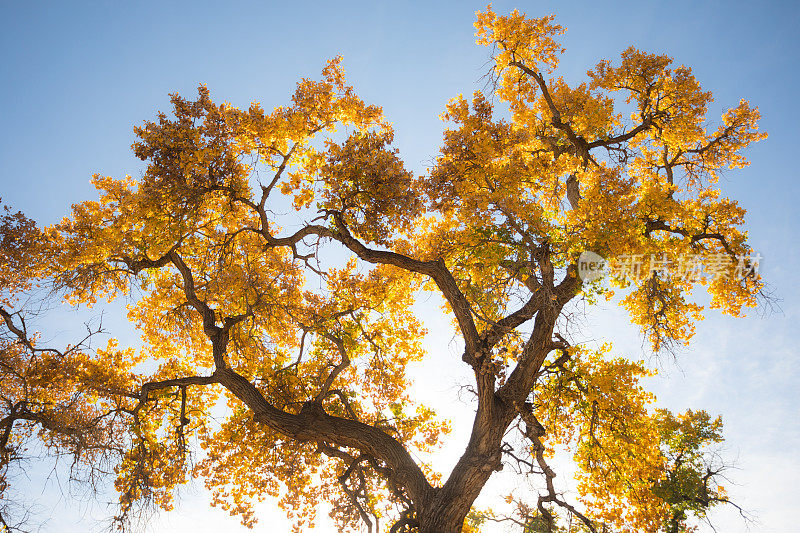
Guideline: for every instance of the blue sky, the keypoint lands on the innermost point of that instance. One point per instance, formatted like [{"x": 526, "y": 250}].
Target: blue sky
[{"x": 77, "y": 76}]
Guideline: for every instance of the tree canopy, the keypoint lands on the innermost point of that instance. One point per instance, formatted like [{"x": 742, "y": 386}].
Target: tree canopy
[{"x": 275, "y": 348}]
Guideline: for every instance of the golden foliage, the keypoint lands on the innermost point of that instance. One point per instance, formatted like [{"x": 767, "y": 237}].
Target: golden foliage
[{"x": 308, "y": 359}]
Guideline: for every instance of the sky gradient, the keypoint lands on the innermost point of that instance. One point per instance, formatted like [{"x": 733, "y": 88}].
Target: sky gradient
[{"x": 77, "y": 76}]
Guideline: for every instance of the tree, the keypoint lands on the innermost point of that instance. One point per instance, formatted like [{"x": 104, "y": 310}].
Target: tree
[{"x": 309, "y": 349}]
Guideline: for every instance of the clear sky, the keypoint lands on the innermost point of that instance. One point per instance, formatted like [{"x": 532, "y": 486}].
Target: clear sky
[{"x": 75, "y": 77}]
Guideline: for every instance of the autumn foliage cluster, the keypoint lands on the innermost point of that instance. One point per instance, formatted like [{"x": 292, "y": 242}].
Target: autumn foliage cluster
[{"x": 274, "y": 350}]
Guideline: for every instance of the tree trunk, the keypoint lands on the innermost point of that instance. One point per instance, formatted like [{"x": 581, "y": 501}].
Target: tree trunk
[{"x": 442, "y": 518}]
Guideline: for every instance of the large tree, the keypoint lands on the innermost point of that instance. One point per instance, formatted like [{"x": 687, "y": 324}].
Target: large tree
[{"x": 297, "y": 330}]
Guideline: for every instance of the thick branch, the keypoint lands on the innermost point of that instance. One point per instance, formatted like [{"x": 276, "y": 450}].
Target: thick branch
[
  {"x": 435, "y": 269},
  {"x": 314, "y": 424}
]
